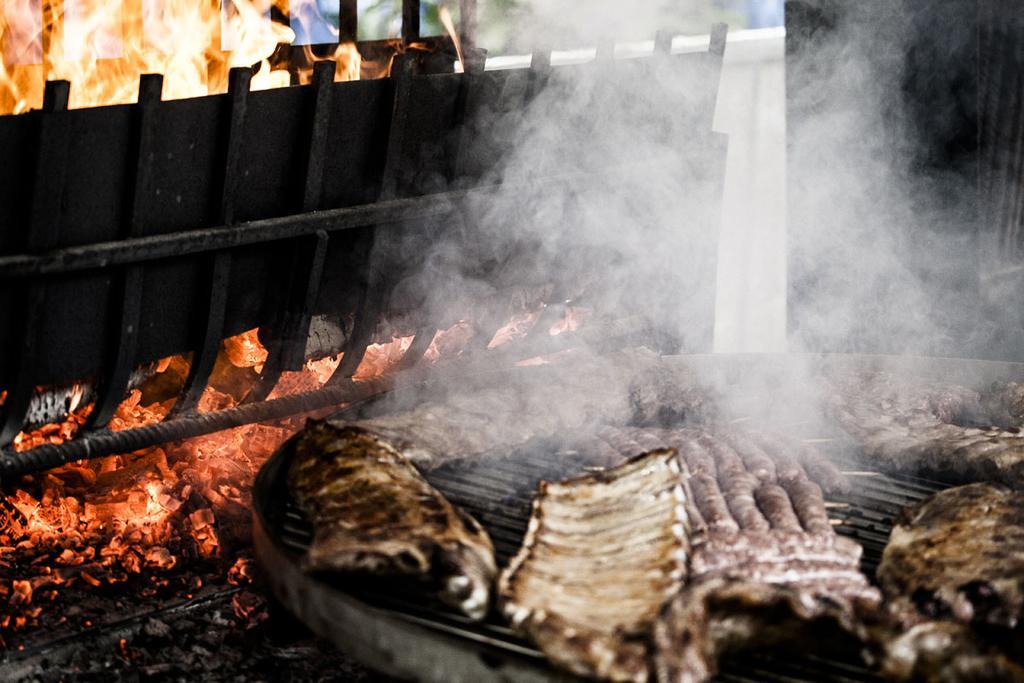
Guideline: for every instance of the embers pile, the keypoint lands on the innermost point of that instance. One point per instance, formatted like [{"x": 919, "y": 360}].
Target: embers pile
[{"x": 148, "y": 525}]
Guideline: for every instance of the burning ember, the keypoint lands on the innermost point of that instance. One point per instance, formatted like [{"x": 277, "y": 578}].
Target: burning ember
[
  {"x": 164, "y": 521},
  {"x": 150, "y": 523}
]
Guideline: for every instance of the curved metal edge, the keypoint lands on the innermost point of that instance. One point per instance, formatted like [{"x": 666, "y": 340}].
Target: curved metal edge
[
  {"x": 388, "y": 642},
  {"x": 967, "y": 371}
]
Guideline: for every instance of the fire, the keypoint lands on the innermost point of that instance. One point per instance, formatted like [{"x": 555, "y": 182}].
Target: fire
[
  {"x": 148, "y": 521},
  {"x": 449, "y": 26},
  {"x": 103, "y": 46},
  {"x": 162, "y": 521}
]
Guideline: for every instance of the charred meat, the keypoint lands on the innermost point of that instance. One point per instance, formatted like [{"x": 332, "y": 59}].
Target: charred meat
[
  {"x": 767, "y": 570},
  {"x": 373, "y": 513},
  {"x": 945, "y": 652},
  {"x": 714, "y": 618},
  {"x": 959, "y": 556},
  {"x": 601, "y": 555},
  {"x": 542, "y": 402},
  {"x": 905, "y": 424}
]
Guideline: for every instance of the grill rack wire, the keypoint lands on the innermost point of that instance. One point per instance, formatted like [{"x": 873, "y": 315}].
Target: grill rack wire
[{"x": 498, "y": 491}]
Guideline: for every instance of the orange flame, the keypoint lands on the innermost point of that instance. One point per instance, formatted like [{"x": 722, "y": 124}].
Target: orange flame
[
  {"x": 103, "y": 46},
  {"x": 449, "y": 25}
]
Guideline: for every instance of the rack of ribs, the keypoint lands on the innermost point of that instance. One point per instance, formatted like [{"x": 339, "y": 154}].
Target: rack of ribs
[{"x": 373, "y": 513}]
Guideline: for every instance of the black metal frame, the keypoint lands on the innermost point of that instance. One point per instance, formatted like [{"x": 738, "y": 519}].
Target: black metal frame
[{"x": 248, "y": 218}]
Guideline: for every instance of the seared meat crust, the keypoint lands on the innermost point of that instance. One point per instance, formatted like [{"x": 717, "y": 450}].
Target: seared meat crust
[
  {"x": 945, "y": 652},
  {"x": 959, "y": 555},
  {"x": 905, "y": 424},
  {"x": 717, "y": 617},
  {"x": 768, "y": 569},
  {"x": 543, "y": 402},
  {"x": 372, "y": 512},
  {"x": 601, "y": 555}
]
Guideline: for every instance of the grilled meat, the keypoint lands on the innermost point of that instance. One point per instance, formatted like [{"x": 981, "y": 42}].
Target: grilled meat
[
  {"x": 905, "y": 424},
  {"x": 601, "y": 555},
  {"x": 945, "y": 652},
  {"x": 959, "y": 555},
  {"x": 775, "y": 457},
  {"x": 372, "y": 512},
  {"x": 718, "y": 617},
  {"x": 767, "y": 570},
  {"x": 541, "y": 402},
  {"x": 1004, "y": 403}
]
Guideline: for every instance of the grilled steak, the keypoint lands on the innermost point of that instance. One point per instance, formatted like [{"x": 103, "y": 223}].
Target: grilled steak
[
  {"x": 372, "y": 512},
  {"x": 959, "y": 555},
  {"x": 601, "y": 555},
  {"x": 905, "y": 424}
]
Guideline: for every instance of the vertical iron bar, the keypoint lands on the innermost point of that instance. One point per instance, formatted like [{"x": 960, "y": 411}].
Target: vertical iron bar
[
  {"x": 43, "y": 233},
  {"x": 410, "y": 19},
  {"x": 220, "y": 271},
  {"x": 464, "y": 103},
  {"x": 663, "y": 43},
  {"x": 468, "y": 25},
  {"x": 348, "y": 21},
  {"x": 113, "y": 385},
  {"x": 540, "y": 70},
  {"x": 286, "y": 338},
  {"x": 372, "y": 299},
  {"x": 719, "y": 34}
]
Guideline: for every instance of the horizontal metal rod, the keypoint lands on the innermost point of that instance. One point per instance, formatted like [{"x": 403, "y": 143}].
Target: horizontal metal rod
[
  {"x": 154, "y": 247},
  {"x": 204, "y": 240},
  {"x": 486, "y": 367},
  {"x": 102, "y": 443}
]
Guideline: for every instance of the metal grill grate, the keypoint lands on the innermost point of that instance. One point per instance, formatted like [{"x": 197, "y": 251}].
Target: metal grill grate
[{"x": 498, "y": 491}]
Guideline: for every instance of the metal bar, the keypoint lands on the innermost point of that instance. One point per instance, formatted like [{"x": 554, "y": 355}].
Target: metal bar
[
  {"x": 287, "y": 347},
  {"x": 663, "y": 43},
  {"x": 348, "y": 21},
  {"x": 205, "y": 356},
  {"x": 468, "y": 25},
  {"x": 410, "y": 19},
  {"x": 285, "y": 338},
  {"x": 203, "y": 240},
  {"x": 719, "y": 34},
  {"x": 374, "y": 294},
  {"x": 103, "y": 443},
  {"x": 464, "y": 103},
  {"x": 420, "y": 343},
  {"x": 43, "y": 233},
  {"x": 540, "y": 71},
  {"x": 323, "y": 77},
  {"x": 114, "y": 384}
]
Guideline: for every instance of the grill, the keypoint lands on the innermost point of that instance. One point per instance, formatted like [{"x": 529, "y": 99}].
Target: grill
[
  {"x": 412, "y": 634},
  {"x": 163, "y": 227}
]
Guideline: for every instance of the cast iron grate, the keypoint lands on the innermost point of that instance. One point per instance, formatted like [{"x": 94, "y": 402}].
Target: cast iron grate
[{"x": 498, "y": 491}]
